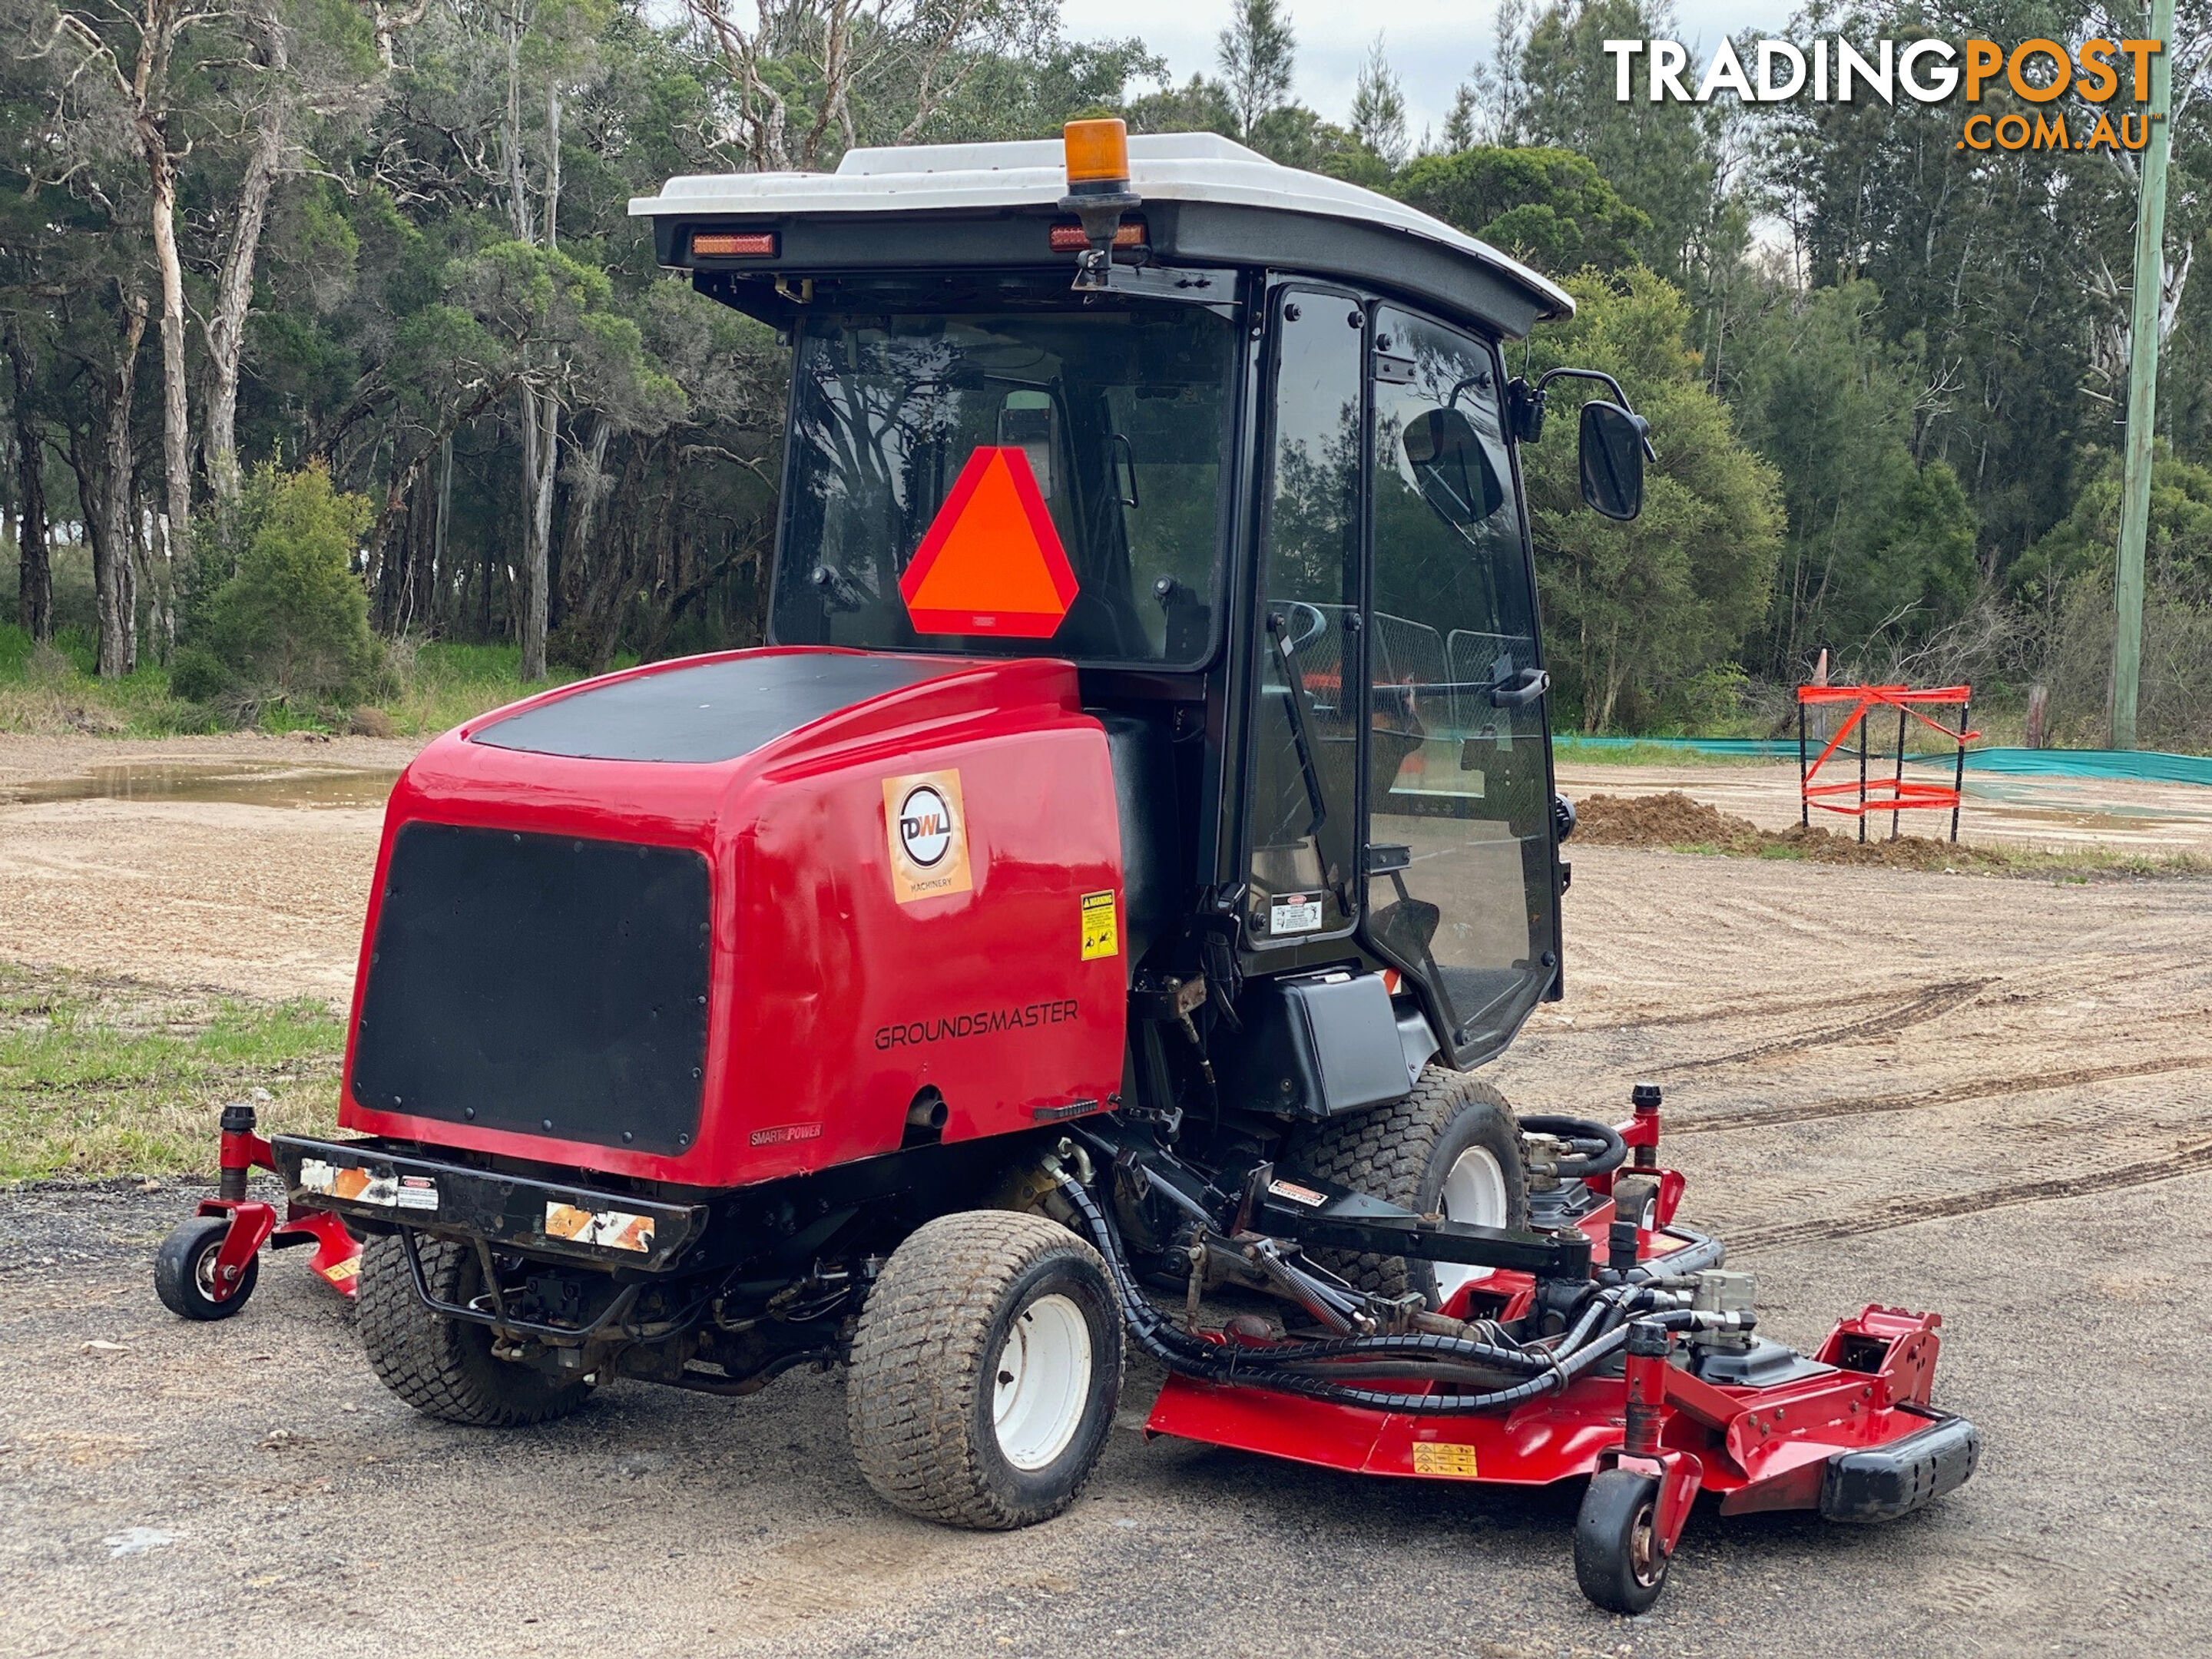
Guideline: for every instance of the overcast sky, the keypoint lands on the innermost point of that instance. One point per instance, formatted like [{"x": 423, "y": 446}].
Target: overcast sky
[{"x": 1432, "y": 44}]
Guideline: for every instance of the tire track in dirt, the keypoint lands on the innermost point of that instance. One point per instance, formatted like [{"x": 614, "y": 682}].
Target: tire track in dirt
[
  {"x": 1931, "y": 1003},
  {"x": 1761, "y": 1117},
  {"x": 2189, "y": 1158},
  {"x": 2043, "y": 982}
]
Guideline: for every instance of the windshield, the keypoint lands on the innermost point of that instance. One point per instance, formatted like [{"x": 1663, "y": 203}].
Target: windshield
[{"x": 1119, "y": 418}]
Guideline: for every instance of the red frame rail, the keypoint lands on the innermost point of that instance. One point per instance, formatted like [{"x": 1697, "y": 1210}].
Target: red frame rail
[{"x": 1892, "y": 794}]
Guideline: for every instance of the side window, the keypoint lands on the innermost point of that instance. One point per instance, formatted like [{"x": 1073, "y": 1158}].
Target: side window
[
  {"x": 1458, "y": 785},
  {"x": 1301, "y": 806}
]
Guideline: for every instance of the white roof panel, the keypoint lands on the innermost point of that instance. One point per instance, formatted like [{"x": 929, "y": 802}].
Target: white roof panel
[{"x": 1179, "y": 167}]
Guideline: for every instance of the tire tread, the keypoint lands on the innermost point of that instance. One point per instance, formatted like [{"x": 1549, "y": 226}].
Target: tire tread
[
  {"x": 1384, "y": 1152},
  {"x": 918, "y": 1358},
  {"x": 441, "y": 1368}
]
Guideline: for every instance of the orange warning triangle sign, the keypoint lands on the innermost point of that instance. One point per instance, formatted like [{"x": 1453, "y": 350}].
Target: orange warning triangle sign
[{"x": 992, "y": 562}]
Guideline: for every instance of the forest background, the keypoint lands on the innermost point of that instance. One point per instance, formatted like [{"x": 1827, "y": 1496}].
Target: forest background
[{"x": 341, "y": 389}]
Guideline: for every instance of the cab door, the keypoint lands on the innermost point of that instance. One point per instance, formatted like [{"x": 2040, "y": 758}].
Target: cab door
[
  {"x": 1459, "y": 854},
  {"x": 1301, "y": 810}
]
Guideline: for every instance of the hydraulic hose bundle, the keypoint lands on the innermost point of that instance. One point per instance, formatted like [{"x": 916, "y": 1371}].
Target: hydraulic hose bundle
[{"x": 1600, "y": 1329}]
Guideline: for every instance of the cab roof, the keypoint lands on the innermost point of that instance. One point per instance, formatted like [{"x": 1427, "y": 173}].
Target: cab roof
[{"x": 1206, "y": 200}]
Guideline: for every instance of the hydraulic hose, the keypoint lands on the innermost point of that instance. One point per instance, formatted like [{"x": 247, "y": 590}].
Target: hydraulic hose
[
  {"x": 1225, "y": 1363},
  {"x": 1609, "y": 1154}
]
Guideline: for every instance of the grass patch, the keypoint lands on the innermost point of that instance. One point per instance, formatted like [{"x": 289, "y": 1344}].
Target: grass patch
[
  {"x": 52, "y": 690},
  {"x": 109, "y": 1077},
  {"x": 1576, "y": 752},
  {"x": 427, "y": 687}
]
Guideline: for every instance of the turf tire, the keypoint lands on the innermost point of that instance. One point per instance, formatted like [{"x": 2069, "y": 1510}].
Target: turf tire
[
  {"x": 1616, "y": 1558},
  {"x": 445, "y": 1367},
  {"x": 1400, "y": 1153},
  {"x": 181, "y": 1267},
  {"x": 920, "y": 1394}
]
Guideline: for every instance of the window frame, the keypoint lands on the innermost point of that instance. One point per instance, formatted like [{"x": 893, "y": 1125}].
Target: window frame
[
  {"x": 1273, "y": 955},
  {"x": 1234, "y": 388},
  {"x": 1465, "y": 1055}
]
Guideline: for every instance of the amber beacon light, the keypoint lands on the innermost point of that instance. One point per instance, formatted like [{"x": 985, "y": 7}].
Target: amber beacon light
[{"x": 1099, "y": 193}]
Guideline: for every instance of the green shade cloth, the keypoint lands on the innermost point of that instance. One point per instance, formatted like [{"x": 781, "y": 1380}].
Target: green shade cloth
[{"x": 2141, "y": 765}]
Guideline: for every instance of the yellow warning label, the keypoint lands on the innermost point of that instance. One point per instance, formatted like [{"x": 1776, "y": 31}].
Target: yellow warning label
[
  {"x": 343, "y": 1270},
  {"x": 1443, "y": 1457},
  {"x": 1102, "y": 934}
]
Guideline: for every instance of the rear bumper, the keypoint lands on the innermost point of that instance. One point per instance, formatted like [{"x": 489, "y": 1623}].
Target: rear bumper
[
  {"x": 1884, "y": 1482},
  {"x": 362, "y": 1181}
]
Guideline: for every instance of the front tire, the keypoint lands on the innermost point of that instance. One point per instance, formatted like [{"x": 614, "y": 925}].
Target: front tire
[
  {"x": 445, "y": 1367},
  {"x": 985, "y": 1371},
  {"x": 184, "y": 1270},
  {"x": 1450, "y": 1147},
  {"x": 1618, "y": 1560}
]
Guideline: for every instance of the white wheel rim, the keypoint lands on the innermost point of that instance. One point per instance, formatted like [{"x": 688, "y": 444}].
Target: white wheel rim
[
  {"x": 1475, "y": 1193},
  {"x": 1044, "y": 1380}
]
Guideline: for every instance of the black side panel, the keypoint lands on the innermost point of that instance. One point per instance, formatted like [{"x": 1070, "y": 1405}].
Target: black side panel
[
  {"x": 1313, "y": 1047},
  {"x": 1151, "y": 816},
  {"x": 539, "y": 984},
  {"x": 714, "y": 712}
]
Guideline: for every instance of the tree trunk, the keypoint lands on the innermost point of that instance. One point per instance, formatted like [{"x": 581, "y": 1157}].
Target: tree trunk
[
  {"x": 176, "y": 421},
  {"x": 34, "y": 591},
  {"x": 156, "y": 565},
  {"x": 108, "y": 523},
  {"x": 234, "y": 294},
  {"x": 541, "y": 454}
]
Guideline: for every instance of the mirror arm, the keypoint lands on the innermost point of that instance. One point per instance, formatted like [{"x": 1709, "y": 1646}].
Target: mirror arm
[{"x": 1604, "y": 379}]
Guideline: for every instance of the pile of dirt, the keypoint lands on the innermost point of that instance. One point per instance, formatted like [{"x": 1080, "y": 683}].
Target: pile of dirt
[
  {"x": 1669, "y": 820},
  {"x": 1675, "y": 820}
]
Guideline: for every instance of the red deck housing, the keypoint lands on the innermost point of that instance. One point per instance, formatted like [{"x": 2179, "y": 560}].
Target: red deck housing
[{"x": 833, "y": 1003}]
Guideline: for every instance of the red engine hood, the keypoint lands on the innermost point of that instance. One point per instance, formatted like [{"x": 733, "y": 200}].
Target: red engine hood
[{"x": 837, "y": 993}]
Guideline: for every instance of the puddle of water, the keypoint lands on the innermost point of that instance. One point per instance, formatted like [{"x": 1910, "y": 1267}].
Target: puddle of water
[{"x": 245, "y": 784}]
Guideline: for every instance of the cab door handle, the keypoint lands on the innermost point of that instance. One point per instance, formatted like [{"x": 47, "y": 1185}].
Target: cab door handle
[{"x": 1520, "y": 692}]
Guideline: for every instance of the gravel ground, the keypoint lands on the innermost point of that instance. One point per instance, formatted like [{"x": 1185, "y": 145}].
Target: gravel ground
[{"x": 1981, "y": 1095}]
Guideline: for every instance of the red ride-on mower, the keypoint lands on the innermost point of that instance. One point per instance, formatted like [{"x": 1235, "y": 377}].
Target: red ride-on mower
[{"x": 1086, "y": 915}]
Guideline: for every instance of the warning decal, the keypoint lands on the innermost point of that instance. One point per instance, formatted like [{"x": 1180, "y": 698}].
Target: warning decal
[
  {"x": 925, "y": 823},
  {"x": 1441, "y": 1457},
  {"x": 992, "y": 562},
  {"x": 1102, "y": 932},
  {"x": 617, "y": 1230}
]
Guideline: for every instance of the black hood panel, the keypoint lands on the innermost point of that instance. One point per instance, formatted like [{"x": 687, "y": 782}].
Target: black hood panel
[{"x": 710, "y": 712}]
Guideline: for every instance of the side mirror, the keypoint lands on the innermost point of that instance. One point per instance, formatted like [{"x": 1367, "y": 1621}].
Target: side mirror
[
  {"x": 1612, "y": 447},
  {"x": 1453, "y": 470}
]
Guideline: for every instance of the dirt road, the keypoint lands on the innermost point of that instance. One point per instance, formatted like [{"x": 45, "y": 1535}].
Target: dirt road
[{"x": 1977, "y": 1094}]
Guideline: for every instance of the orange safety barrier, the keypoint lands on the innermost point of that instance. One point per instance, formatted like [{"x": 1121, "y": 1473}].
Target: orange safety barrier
[{"x": 1891, "y": 795}]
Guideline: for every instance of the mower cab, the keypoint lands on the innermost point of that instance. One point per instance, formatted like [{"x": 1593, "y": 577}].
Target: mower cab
[{"x": 1099, "y": 889}]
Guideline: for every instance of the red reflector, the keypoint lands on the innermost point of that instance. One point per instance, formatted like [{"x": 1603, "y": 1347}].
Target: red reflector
[
  {"x": 733, "y": 244},
  {"x": 1068, "y": 236}
]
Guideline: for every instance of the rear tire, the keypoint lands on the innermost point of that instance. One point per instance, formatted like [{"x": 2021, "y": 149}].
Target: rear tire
[
  {"x": 985, "y": 1371},
  {"x": 1451, "y": 1145},
  {"x": 184, "y": 1270},
  {"x": 1617, "y": 1557},
  {"x": 445, "y": 1367}
]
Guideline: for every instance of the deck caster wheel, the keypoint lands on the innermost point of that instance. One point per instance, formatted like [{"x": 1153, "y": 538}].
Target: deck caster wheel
[
  {"x": 1618, "y": 1558},
  {"x": 183, "y": 1271},
  {"x": 985, "y": 1371}
]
